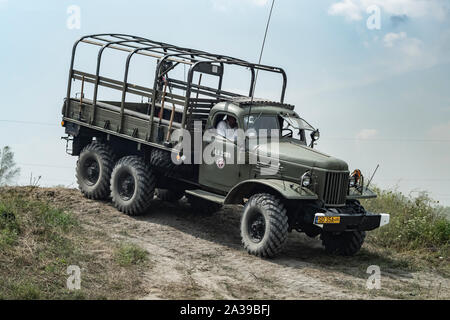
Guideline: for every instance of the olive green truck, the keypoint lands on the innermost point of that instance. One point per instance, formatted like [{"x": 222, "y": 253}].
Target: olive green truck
[{"x": 134, "y": 146}]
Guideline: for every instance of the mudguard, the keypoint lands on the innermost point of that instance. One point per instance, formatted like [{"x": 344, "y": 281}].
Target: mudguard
[{"x": 285, "y": 189}]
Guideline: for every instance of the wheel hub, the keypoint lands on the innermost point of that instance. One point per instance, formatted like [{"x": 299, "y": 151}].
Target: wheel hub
[
  {"x": 257, "y": 227},
  {"x": 126, "y": 186},
  {"x": 92, "y": 171}
]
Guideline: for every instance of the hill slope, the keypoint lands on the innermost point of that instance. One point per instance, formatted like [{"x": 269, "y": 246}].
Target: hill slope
[{"x": 196, "y": 257}]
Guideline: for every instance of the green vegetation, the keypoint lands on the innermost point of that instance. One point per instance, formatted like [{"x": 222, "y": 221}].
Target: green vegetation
[
  {"x": 38, "y": 242},
  {"x": 130, "y": 254},
  {"x": 417, "y": 228}
]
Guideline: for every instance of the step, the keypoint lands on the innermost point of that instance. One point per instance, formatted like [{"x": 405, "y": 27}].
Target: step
[{"x": 217, "y": 198}]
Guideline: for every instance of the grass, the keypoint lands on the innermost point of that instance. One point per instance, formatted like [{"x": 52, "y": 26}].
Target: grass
[
  {"x": 38, "y": 242},
  {"x": 417, "y": 229},
  {"x": 130, "y": 254}
]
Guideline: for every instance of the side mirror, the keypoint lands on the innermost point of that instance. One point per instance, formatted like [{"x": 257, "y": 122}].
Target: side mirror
[{"x": 315, "y": 136}]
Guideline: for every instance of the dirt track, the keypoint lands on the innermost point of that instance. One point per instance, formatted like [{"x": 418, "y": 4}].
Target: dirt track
[{"x": 198, "y": 257}]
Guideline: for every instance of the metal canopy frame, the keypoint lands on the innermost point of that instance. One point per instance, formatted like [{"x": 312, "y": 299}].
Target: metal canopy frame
[{"x": 196, "y": 59}]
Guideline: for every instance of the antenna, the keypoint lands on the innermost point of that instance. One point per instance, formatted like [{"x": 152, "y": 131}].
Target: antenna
[
  {"x": 262, "y": 48},
  {"x": 368, "y": 184},
  {"x": 260, "y": 57}
]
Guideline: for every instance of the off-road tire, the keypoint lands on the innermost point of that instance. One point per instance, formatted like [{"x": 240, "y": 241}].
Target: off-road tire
[
  {"x": 161, "y": 161},
  {"x": 169, "y": 195},
  {"x": 344, "y": 244},
  {"x": 95, "y": 157},
  {"x": 202, "y": 206},
  {"x": 271, "y": 210},
  {"x": 134, "y": 200}
]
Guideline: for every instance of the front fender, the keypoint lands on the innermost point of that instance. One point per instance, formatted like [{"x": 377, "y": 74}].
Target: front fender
[{"x": 284, "y": 189}]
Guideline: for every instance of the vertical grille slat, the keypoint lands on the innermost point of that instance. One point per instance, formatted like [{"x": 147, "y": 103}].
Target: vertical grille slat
[
  {"x": 332, "y": 188},
  {"x": 335, "y": 190},
  {"x": 336, "y": 185}
]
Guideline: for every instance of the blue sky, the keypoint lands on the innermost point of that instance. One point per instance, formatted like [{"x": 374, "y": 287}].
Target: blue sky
[{"x": 378, "y": 96}]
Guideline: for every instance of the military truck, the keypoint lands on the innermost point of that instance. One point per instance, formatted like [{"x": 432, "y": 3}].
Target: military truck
[{"x": 128, "y": 147}]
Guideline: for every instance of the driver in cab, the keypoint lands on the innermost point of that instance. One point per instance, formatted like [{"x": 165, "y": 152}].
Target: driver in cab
[{"x": 227, "y": 128}]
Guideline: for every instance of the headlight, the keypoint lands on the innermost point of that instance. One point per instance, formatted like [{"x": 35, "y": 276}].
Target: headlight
[
  {"x": 306, "y": 179},
  {"x": 352, "y": 181},
  {"x": 355, "y": 178},
  {"x": 315, "y": 135}
]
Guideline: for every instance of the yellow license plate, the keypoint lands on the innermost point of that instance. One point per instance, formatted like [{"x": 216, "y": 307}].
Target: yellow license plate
[{"x": 326, "y": 220}]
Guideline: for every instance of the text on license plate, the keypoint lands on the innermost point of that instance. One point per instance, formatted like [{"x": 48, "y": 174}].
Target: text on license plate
[{"x": 325, "y": 220}]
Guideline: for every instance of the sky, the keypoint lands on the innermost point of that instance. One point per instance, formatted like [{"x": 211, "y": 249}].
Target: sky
[{"x": 372, "y": 75}]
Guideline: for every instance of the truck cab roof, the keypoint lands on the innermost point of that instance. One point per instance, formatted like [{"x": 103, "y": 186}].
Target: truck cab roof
[{"x": 244, "y": 105}]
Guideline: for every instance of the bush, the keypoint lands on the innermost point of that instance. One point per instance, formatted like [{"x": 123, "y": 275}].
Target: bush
[{"x": 416, "y": 223}]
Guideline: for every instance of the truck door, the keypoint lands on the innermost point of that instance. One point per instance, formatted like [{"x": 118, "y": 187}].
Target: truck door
[{"x": 219, "y": 169}]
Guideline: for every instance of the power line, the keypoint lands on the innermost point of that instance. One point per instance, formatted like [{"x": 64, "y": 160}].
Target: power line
[
  {"x": 414, "y": 179},
  {"x": 387, "y": 139},
  {"x": 44, "y": 165},
  {"x": 323, "y": 138},
  {"x": 379, "y": 179},
  {"x": 29, "y": 122}
]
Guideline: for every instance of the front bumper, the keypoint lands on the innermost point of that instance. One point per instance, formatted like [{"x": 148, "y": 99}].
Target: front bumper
[{"x": 350, "y": 222}]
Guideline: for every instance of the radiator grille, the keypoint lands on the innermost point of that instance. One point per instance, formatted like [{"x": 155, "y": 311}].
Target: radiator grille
[{"x": 336, "y": 187}]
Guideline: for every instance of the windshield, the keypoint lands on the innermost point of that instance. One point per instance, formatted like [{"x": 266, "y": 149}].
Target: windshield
[
  {"x": 295, "y": 128},
  {"x": 285, "y": 126},
  {"x": 298, "y": 123},
  {"x": 263, "y": 124}
]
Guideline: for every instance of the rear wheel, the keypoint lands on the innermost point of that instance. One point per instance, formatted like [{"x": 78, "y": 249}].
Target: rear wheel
[
  {"x": 264, "y": 225},
  {"x": 161, "y": 161},
  {"x": 94, "y": 168},
  {"x": 132, "y": 185},
  {"x": 345, "y": 244}
]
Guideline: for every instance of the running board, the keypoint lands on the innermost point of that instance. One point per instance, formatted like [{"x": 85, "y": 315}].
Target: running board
[{"x": 206, "y": 195}]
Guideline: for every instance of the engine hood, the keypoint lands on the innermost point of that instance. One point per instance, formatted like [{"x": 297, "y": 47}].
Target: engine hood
[{"x": 293, "y": 152}]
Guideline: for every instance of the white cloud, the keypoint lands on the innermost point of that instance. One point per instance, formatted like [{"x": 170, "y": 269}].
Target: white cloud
[
  {"x": 356, "y": 9},
  {"x": 391, "y": 38},
  {"x": 227, "y": 5},
  {"x": 365, "y": 134},
  {"x": 260, "y": 3},
  {"x": 411, "y": 47},
  {"x": 346, "y": 8}
]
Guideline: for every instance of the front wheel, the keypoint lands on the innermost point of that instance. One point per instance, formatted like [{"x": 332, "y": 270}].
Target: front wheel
[
  {"x": 345, "y": 244},
  {"x": 132, "y": 185},
  {"x": 264, "y": 225}
]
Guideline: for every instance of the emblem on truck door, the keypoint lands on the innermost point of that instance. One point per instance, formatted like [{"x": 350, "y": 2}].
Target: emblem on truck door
[{"x": 220, "y": 163}]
